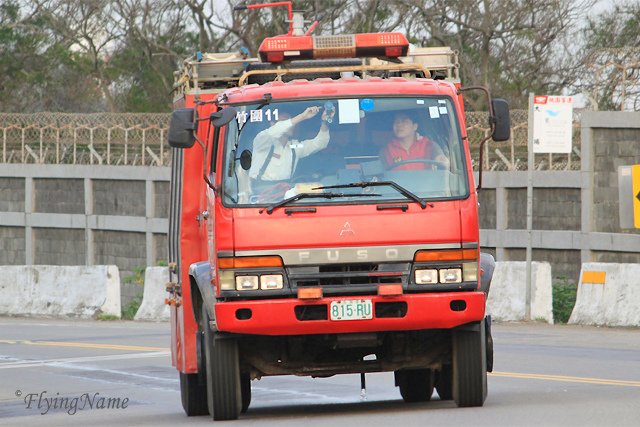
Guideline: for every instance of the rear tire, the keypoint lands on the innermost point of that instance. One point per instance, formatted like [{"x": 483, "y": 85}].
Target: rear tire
[
  {"x": 193, "y": 392},
  {"x": 470, "y": 365},
  {"x": 444, "y": 382},
  {"x": 245, "y": 386},
  {"x": 224, "y": 398},
  {"x": 416, "y": 385}
]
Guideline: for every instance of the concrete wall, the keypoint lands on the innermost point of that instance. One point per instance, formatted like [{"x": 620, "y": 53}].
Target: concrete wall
[
  {"x": 60, "y": 291},
  {"x": 153, "y": 305},
  {"x": 66, "y": 214},
  {"x": 508, "y": 294},
  {"x": 575, "y": 214},
  {"x": 84, "y": 215},
  {"x": 12, "y": 246},
  {"x": 608, "y": 295},
  {"x": 611, "y": 148}
]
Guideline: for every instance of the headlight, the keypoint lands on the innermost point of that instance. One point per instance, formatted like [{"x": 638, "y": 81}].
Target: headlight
[
  {"x": 470, "y": 271},
  {"x": 451, "y": 275},
  {"x": 271, "y": 281},
  {"x": 426, "y": 277},
  {"x": 246, "y": 283}
]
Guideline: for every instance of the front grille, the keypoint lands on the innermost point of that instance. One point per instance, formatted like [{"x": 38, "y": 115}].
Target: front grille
[{"x": 348, "y": 278}]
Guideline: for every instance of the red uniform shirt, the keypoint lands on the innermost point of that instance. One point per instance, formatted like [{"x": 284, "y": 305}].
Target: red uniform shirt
[{"x": 394, "y": 152}]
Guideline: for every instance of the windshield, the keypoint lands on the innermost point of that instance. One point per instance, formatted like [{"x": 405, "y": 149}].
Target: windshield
[{"x": 277, "y": 150}]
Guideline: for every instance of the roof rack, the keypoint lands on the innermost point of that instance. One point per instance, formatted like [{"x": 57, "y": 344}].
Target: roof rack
[
  {"x": 435, "y": 59},
  {"x": 212, "y": 72},
  {"x": 216, "y": 72},
  {"x": 388, "y": 67}
]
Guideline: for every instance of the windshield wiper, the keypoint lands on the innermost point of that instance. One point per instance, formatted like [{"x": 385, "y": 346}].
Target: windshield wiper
[
  {"x": 284, "y": 202},
  {"x": 408, "y": 194}
]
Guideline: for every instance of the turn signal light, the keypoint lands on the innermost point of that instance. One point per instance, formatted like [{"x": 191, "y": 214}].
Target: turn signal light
[
  {"x": 250, "y": 262},
  {"x": 390, "y": 290},
  {"x": 310, "y": 293},
  {"x": 446, "y": 255}
]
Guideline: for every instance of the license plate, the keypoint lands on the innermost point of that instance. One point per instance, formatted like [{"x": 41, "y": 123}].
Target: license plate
[{"x": 351, "y": 309}]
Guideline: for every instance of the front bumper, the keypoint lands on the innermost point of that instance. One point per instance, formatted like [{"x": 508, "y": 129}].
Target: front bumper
[{"x": 278, "y": 317}]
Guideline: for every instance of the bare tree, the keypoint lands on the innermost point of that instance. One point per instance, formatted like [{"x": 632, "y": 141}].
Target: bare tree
[
  {"x": 610, "y": 75},
  {"x": 91, "y": 28},
  {"x": 510, "y": 46}
]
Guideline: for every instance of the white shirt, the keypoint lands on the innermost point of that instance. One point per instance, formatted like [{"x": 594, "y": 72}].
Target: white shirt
[{"x": 282, "y": 165}]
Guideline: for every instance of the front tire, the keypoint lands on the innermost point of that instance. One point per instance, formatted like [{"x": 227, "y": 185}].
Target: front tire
[
  {"x": 224, "y": 398},
  {"x": 416, "y": 385},
  {"x": 470, "y": 365}
]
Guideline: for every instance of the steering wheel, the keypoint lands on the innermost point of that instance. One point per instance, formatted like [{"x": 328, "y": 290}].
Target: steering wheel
[{"x": 439, "y": 165}]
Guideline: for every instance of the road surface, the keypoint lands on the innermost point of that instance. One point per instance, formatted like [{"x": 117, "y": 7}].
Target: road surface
[{"x": 121, "y": 373}]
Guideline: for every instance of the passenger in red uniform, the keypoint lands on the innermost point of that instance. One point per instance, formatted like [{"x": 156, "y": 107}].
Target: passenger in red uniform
[{"x": 409, "y": 145}]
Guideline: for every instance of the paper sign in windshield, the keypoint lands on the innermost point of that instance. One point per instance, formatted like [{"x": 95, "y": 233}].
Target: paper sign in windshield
[{"x": 348, "y": 111}]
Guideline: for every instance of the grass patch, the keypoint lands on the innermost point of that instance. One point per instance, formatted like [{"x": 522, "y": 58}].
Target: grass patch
[
  {"x": 137, "y": 277},
  {"x": 564, "y": 298},
  {"x": 131, "y": 309},
  {"x": 106, "y": 317}
]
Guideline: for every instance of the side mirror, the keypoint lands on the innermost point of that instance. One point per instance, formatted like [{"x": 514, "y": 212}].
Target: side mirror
[
  {"x": 181, "y": 128},
  {"x": 502, "y": 120},
  {"x": 224, "y": 116}
]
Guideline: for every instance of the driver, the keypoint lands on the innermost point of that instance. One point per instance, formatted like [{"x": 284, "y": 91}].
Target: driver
[
  {"x": 276, "y": 154},
  {"x": 409, "y": 145}
]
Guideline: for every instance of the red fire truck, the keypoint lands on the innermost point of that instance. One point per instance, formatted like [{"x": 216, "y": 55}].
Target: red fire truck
[{"x": 324, "y": 220}]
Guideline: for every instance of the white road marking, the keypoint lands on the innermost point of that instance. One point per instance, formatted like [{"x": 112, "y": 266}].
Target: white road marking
[{"x": 52, "y": 362}]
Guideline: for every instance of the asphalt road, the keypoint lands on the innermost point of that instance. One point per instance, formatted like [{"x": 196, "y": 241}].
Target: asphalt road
[{"x": 544, "y": 376}]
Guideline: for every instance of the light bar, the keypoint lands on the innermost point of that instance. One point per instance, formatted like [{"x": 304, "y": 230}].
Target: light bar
[{"x": 277, "y": 49}]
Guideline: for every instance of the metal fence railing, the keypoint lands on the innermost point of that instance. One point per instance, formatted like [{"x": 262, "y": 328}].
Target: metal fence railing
[
  {"x": 512, "y": 155},
  {"x": 139, "y": 139},
  {"x": 108, "y": 139}
]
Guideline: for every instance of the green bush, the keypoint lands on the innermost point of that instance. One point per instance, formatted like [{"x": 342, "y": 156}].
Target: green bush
[
  {"x": 131, "y": 309},
  {"x": 103, "y": 316},
  {"x": 137, "y": 277},
  {"x": 564, "y": 298}
]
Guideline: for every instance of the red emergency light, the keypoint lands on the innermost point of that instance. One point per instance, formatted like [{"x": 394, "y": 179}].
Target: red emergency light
[{"x": 281, "y": 48}]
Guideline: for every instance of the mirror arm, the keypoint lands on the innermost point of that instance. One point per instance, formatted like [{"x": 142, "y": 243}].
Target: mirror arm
[
  {"x": 204, "y": 151},
  {"x": 492, "y": 116},
  {"x": 480, "y": 161},
  {"x": 492, "y": 124}
]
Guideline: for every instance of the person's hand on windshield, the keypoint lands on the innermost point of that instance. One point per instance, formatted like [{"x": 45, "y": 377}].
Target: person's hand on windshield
[
  {"x": 308, "y": 113},
  {"x": 327, "y": 114}
]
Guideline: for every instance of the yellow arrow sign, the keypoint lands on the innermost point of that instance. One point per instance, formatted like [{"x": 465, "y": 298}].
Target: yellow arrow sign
[{"x": 635, "y": 179}]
